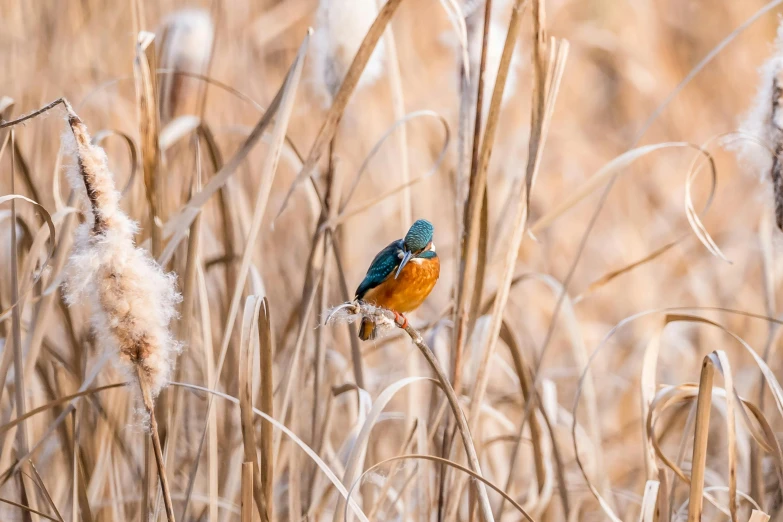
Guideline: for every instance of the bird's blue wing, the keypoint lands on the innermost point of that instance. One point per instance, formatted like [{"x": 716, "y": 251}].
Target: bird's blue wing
[{"x": 384, "y": 264}]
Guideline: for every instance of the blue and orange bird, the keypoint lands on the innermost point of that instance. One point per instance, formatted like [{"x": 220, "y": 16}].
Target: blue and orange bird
[{"x": 401, "y": 276}]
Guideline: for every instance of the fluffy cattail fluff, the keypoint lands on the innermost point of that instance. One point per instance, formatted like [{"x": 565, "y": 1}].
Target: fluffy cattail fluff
[
  {"x": 132, "y": 300},
  {"x": 185, "y": 44},
  {"x": 764, "y": 121},
  {"x": 356, "y": 311},
  {"x": 340, "y": 28}
]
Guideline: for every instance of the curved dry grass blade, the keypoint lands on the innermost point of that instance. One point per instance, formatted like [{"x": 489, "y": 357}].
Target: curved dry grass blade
[
  {"x": 440, "y": 460},
  {"x": 329, "y": 126},
  {"x": 605, "y": 174},
  {"x": 247, "y": 343},
  {"x": 459, "y": 414},
  {"x": 291, "y": 435},
  {"x": 12, "y": 198},
  {"x": 693, "y": 217},
  {"x": 400, "y": 122},
  {"x": 43, "y": 303},
  {"x": 645, "y": 127},
  {"x": 675, "y": 314},
  {"x": 714, "y": 52},
  {"x": 24, "y": 170},
  {"x": 358, "y": 452}
]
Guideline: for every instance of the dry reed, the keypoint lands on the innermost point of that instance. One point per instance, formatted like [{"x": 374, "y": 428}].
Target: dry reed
[{"x": 579, "y": 399}]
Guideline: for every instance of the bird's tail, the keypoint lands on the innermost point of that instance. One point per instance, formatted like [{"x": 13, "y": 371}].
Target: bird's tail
[{"x": 367, "y": 329}]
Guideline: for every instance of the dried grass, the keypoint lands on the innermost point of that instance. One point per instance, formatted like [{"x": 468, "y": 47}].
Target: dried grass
[{"x": 639, "y": 382}]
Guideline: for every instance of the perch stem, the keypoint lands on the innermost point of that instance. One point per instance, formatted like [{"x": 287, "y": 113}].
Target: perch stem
[
  {"x": 149, "y": 405},
  {"x": 451, "y": 396}
]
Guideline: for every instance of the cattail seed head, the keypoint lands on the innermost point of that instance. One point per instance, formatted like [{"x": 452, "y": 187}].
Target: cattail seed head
[
  {"x": 764, "y": 121},
  {"x": 132, "y": 299}
]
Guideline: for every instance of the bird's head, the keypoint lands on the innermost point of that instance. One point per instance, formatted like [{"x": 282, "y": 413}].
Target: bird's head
[{"x": 417, "y": 243}]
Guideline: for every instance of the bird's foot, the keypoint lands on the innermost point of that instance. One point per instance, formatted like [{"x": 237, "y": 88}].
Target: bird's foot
[{"x": 401, "y": 320}]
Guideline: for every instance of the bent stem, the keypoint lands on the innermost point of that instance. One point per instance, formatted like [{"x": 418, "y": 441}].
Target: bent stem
[
  {"x": 451, "y": 396},
  {"x": 149, "y": 406}
]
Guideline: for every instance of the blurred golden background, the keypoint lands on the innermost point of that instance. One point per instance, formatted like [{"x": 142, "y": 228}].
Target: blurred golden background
[{"x": 620, "y": 89}]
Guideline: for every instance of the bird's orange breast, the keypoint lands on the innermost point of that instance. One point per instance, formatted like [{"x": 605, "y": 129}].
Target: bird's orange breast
[{"x": 410, "y": 289}]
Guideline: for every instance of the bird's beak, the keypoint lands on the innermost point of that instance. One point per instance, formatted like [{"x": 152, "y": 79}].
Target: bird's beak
[{"x": 405, "y": 258}]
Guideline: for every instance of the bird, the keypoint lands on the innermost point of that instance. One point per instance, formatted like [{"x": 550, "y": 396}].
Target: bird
[{"x": 401, "y": 276}]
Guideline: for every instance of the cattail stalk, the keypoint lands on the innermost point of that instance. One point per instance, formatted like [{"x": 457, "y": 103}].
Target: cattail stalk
[{"x": 132, "y": 300}]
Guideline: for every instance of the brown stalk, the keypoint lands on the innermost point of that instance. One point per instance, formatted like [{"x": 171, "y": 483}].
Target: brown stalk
[
  {"x": 477, "y": 187},
  {"x": 481, "y": 264},
  {"x": 149, "y": 406},
  {"x": 247, "y": 492},
  {"x": 16, "y": 329},
  {"x": 146, "y": 98},
  {"x": 702, "y": 433}
]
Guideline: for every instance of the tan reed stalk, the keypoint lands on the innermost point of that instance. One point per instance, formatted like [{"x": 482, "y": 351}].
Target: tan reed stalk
[
  {"x": 247, "y": 492},
  {"x": 700, "y": 437},
  {"x": 133, "y": 301},
  {"x": 473, "y": 206},
  {"x": 144, "y": 67}
]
